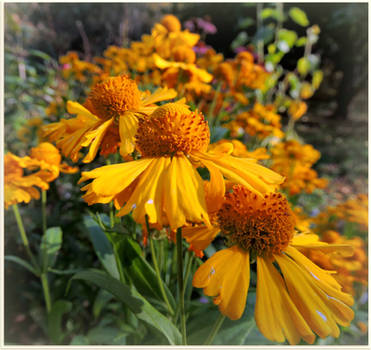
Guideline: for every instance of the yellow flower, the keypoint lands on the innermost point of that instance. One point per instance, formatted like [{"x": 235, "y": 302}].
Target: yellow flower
[
  {"x": 48, "y": 160},
  {"x": 294, "y": 297},
  {"x": 164, "y": 184},
  {"x": 17, "y": 187},
  {"x": 297, "y": 109},
  {"x": 261, "y": 121},
  {"x": 110, "y": 114},
  {"x": 171, "y": 23}
]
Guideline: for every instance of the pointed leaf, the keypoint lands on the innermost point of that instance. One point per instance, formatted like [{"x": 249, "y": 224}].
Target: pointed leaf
[
  {"x": 102, "y": 246},
  {"x": 299, "y": 16},
  {"x": 22, "y": 263},
  {"x": 134, "y": 301},
  {"x": 51, "y": 243}
]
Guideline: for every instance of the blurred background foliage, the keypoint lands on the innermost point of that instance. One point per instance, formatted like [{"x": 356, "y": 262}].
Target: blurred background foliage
[{"x": 37, "y": 34}]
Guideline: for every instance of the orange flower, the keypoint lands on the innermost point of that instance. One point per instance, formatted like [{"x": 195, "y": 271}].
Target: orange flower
[
  {"x": 48, "y": 160},
  {"x": 17, "y": 187},
  {"x": 164, "y": 184},
  {"x": 109, "y": 117},
  {"x": 294, "y": 297}
]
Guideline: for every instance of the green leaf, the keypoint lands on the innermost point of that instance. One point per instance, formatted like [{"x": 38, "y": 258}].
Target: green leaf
[
  {"x": 102, "y": 246},
  {"x": 22, "y": 263},
  {"x": 289, "y": 36},
  {"x": 303, "y": 66},
  {"x": 299, "y": 16},
  {"x": 317, "y": 79},
  {"x": 100, "y": 301},
  {"x": 134, "y": 301},
  {"x": 59, "y": 308},
  {"x": 51, "y": 243},
  {"x": 240, "y": 40},
  {"x": 301, "y": 41},
  {"x": 141, "y": 272},
  {"x": 245, "y": 22}
]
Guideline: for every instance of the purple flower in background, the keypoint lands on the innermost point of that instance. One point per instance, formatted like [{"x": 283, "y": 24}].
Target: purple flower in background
[
  {"x": 203, "y": 300},
  {"x": 201, "y": 49},
  {"x": 189, "y": 25},
  {"x": 206, "y": 26}
]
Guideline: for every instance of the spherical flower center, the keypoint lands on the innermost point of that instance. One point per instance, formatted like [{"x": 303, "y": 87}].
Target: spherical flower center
[
  {"x": 114, "y": 96},
  {"x": 263, "y": 226},
  {"x": 47, "y": 152},
  {"x": 172, "y": 130}
]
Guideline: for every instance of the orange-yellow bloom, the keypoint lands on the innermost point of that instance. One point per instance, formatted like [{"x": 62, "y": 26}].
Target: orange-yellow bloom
[
  {"x": 110, "y": 114},
  {"x": 164, "y": 184},
  {"x": 18, "y": 187},
  {"x": 294, "y": 297},
  {"x": 48, "y": 160}
]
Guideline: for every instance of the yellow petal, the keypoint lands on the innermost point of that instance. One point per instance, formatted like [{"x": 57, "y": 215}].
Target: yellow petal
[
  {"x": 200, "y": 236},
  {"x": 161, "y": 94},
  {"x": 311, "y": 241},
  {"x": 307, "y": 297},
  {"x": 128, "y": 125},
  {"x": 94, "y": 139},
  {"x": 77, "y": 108},
  {"x": 226, "y": 276},
  {"x": 247, "y": 172},
  {"x": 112, "y": 179},
  {"x": 147, "y": 198},
  {"x": 276, "y": 315}
]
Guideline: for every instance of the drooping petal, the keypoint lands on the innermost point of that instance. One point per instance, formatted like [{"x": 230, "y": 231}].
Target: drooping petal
[
  {"x": 147, "y": 198},
  {"x": 200, "y": 237},
  {"x": 128, "y": 125},
  {"x": 226, "y": 277},
  {"x": 310, "y": 300},
  {"x": 247, "y": 172},
  {"x": 112, "y": 179},
  {"x": 186, "y": 198},
  {"x": 276, "y": 315},
  {"x": 94, "y": 139},
  {"x": 311, "y": 241}
]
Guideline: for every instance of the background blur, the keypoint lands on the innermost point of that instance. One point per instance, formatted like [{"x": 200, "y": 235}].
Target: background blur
[{"x": 336, "y": 123}]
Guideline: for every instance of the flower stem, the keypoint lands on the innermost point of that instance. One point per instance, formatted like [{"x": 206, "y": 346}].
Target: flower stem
[
  {"x": 158, "y": 273},
  {"x": 215, "y": 329},
  {"x": 43, "y": 209},
  {"x": 45, "y": 284},
  {"x": 181, "y": 283},
  {"x": 24, "y": 236}
]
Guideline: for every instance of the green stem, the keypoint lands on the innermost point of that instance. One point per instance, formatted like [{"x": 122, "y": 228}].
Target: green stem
[
  {"x": 24, "y": 236},
  {"x": 215, "y": 329},
  {"x": 111, "y": 215},
  {"x": 45, "y": 284},
  {"x": 158, "y": 273},
  {"x": 179, "y": 245},
  {"x": 260, "y": 43},
  {"x": 188, "y": 269},
  {"x": 43, "y": 209}
]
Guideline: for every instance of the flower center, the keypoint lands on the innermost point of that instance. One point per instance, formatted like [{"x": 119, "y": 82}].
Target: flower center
[
  {"x": 263, "y": 226},
  {"x": 114, "y": 96},
  {"x": 172, "y": 130}
]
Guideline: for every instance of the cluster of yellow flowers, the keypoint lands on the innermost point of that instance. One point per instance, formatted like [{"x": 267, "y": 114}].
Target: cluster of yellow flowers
[
  {"x": 159, "y": 184},
  {"x": 294, "y": 161}
]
